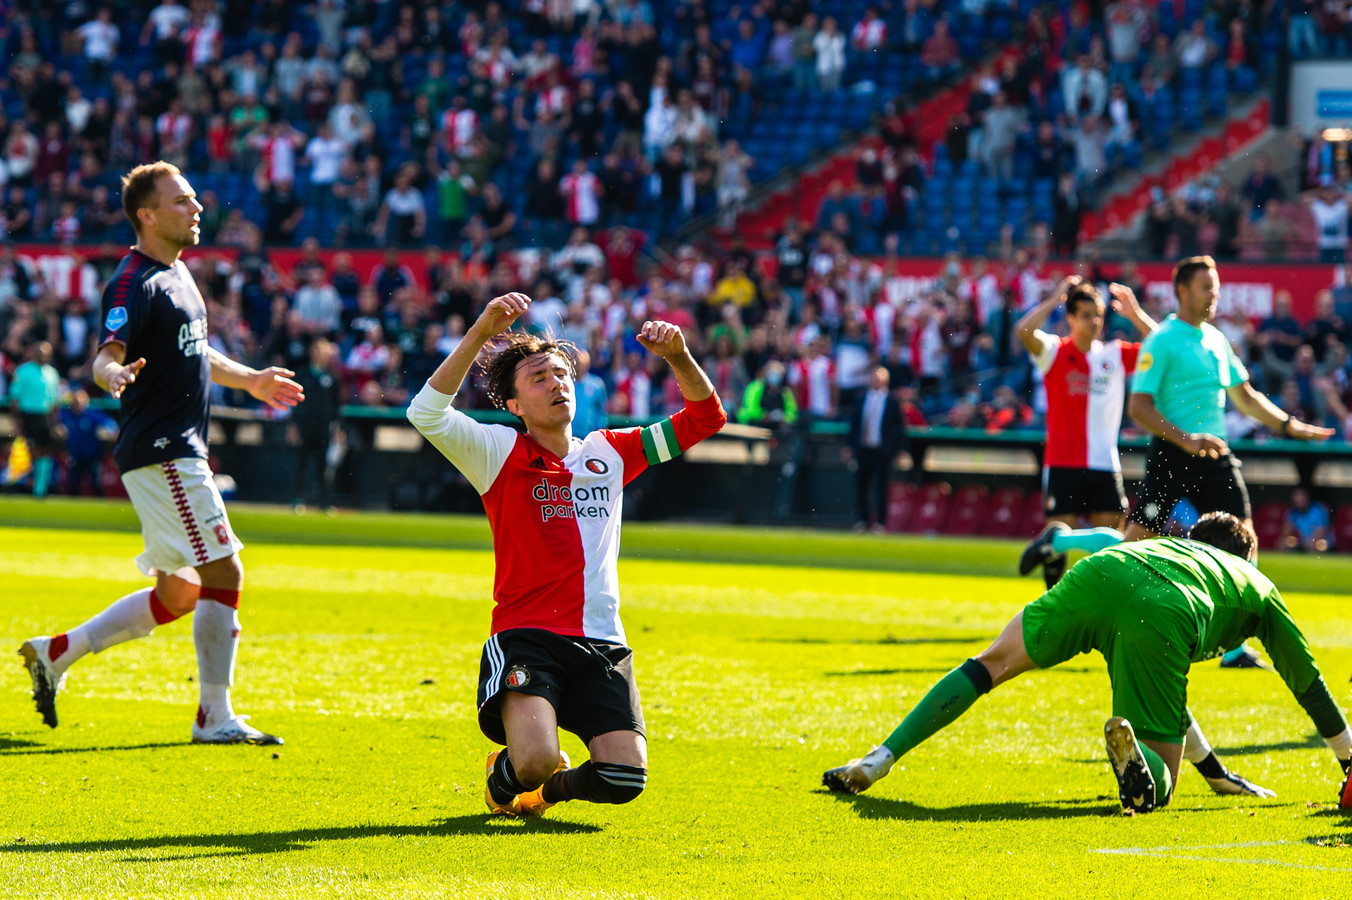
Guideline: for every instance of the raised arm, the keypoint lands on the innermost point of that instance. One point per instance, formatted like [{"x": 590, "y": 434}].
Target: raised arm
[
  {"x": 666, "y": 340},
  {"x": 1124, "y": 302},
  {"x": 1034, "y": 319},
  {"x": 500, "y": 314}
]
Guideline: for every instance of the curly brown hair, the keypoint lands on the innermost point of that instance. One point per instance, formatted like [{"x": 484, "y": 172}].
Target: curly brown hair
[
  {"x": 500, "y": 360},
  {"x": 1226, "y": 532}
]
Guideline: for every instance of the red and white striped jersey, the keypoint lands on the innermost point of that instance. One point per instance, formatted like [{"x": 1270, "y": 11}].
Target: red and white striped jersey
[
  {"x": 581, "y": 193},
  {"x": 811, "y": 380},
  {"x": 1085, "y": 397},
  {"x": 556, "y": 522},
  {"x": 459, "y": 126}
]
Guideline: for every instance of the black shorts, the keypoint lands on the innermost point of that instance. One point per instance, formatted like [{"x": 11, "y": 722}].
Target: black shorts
[
  {"x": 1211, "y": 485},
  {"x": 590, "y": 683},
  {"x": 37, "y": 430},
  {"x": 1072, "y": 492}
]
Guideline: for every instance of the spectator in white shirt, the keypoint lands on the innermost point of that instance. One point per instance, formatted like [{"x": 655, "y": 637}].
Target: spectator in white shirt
[
  {"x": 318, "y": 304},
  {"x": 100, "y": 38},
  {"x": 404, "y": 204},
  {"x": 830, "y": 46}
]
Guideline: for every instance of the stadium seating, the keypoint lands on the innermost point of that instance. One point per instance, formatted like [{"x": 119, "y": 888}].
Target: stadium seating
[
  {"x": 900, "y": 504},
  {"x": 932, "y": 505},
  {"x": 1005, "y": 514},
  {"x": 1267, "y": 524},
  {"x": 1342, "y": 529},
  {"x": 968, "y": 511},
  {"x": 1034, "y": 517}
]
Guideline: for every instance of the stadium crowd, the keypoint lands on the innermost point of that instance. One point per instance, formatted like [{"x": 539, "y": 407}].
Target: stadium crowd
[{"x": 547, "y": 148}]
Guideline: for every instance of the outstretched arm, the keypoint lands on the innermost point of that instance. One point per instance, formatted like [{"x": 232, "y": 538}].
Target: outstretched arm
[
  {"x": 1257, "y": 406},
  {"x": 1209, "y": 766},
  {"x": 272, "y": 385}
]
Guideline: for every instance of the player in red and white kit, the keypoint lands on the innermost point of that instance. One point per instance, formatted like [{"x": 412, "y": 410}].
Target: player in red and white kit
[
  {"x": 557, "y": 656},
  {"x": 1086, "y": 381}
]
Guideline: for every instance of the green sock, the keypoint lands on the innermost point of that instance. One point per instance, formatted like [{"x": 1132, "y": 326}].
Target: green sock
[
  {"x": 1164, "y": 783},
  {"x": 950, "y": 698},
  {"x": 1090, "y": 540}
]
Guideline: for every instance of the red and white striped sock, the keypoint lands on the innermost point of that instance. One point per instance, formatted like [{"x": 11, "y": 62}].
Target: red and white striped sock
[{"x": 215, "y": 631}]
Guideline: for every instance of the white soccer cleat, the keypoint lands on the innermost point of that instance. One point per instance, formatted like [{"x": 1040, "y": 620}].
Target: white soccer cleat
[
  {"x": 859, "y": 775},
  {"x": 46, "y": 679},
  {"x": 234, "y": 730}
]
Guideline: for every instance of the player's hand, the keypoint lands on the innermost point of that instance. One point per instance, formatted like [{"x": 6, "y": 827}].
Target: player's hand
[
  {"x": 662, "y": 339},
  {"x": 1304, "y": 431},
  {"x": 503, "y": 312},
  {"x": 274, "y": 387},
  {"x": 1207, "y": 446},
  {"x": 1237, "y": 785},
  {"x": 1124, "y": 300},
  {"x": 125, "y": 375},
  {"x": 1069, "y": 283}
]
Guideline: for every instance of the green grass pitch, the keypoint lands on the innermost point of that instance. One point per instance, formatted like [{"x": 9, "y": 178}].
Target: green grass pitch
[{"x": 764, "y": 658}]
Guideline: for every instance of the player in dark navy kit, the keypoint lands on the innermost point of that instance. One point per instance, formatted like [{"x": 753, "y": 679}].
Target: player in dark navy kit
[{"x": 154, "y": 316}]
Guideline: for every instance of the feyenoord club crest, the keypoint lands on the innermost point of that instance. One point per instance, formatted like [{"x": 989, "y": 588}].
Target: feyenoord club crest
[
  {"x": 517, "y": 676},
  {"x": 597, "y": 466}
]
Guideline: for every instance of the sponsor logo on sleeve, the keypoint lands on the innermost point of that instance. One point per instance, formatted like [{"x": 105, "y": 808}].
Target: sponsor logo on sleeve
[
  {"x": 117, "y": 317},
  {"x": 1144, "y": 361}
]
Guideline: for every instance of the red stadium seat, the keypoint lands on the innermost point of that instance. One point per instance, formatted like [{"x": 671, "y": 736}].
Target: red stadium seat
[
  {"x": 1342, "y": 529},
  {"x": 932, "y": 504},
  {"x": 968, "y": 512},
  {"x": 1267, "y": 523},
  {"x": 1034, "y": 517},
  {"x": 900, "y": 504},
  {"x": 1004, "y": 515}
]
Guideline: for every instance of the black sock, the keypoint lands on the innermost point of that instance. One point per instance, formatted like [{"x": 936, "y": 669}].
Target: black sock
[
  {"x": 1210, "y": 767},
  {"x": 502, "y": 783},
  {"x": 606, "y": 783}
]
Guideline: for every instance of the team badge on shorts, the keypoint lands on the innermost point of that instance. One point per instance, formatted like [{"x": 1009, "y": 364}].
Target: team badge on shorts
[{"x": 517, "y": 676}]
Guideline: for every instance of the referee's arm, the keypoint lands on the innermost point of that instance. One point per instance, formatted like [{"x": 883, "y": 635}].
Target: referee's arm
[
  {"x": 1145, "y": 413},
  {"x": 1256, "y": 405}
]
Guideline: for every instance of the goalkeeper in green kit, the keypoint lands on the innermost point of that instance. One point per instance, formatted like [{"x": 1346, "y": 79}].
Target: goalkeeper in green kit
[{"x": 1152, "y": 608}]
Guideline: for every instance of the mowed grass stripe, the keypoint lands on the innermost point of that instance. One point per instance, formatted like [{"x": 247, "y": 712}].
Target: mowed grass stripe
[{"x": 755, "y": 678}]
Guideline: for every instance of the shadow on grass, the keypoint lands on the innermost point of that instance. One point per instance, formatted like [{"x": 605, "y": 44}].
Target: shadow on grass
[
  {"x": 934, "y": 671},
  {"x": 213, "y": 845},
  {"x": 32, "y": 748},
  {"x": 882, "y": 808},
  {"x": 1309, "y": 742},
  {"x": 881, "y": 642}
]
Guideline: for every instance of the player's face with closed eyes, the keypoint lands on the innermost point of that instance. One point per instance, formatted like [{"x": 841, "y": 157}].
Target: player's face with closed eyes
[{"x": 544, "y": 391}]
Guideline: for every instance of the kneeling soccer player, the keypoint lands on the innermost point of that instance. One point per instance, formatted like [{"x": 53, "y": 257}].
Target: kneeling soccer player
[
  {"x": 1152, "y": 609},
  {"x": 557, "y": 656}
]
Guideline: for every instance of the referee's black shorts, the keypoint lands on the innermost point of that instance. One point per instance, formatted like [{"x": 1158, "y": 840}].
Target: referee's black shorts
[{"x": 1211, "y": 485}]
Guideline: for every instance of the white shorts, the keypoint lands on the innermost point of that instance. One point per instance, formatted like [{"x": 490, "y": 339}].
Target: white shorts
[{"x": 183, "y": 520}]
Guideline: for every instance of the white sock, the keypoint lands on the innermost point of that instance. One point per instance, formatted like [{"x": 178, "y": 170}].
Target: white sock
[
  {"x": 1341, "y": 744},
  {"x": 1195, "y": 747},
  {"x": 878, "y": 762},
  {"x": 215, "y": 631},
  {"x": 126, "y": 619}
]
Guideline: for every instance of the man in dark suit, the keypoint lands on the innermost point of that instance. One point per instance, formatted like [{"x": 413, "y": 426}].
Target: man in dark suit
[{"x": 877, "y": 435}]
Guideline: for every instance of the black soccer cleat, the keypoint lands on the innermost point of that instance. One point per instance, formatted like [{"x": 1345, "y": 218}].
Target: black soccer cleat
[
  {"x": 1053, "y": 569},
  {"x": 1039, "y": 551},
  {"x": 1135, "y": 784}
]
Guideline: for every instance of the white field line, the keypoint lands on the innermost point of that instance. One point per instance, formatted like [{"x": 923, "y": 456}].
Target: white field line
[{"x": 1182, "y": 854}]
